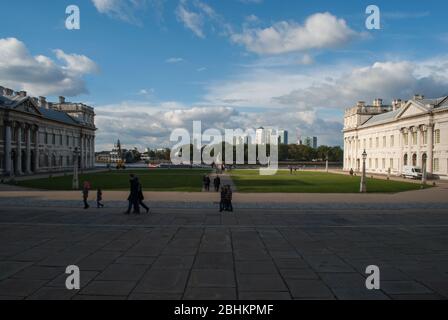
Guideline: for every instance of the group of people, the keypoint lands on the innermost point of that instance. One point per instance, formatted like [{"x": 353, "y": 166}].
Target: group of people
[
  {"x": 226, "y": 199},
  {"x": 206, "y": 181},
  {"x": 135, "y": 198},
  {"x": 86, "y": 186},
  {"x": 226, "y": 192}
]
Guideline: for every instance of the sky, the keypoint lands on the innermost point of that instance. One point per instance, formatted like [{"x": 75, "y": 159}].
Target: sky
[{"x": 151, "y": 66}]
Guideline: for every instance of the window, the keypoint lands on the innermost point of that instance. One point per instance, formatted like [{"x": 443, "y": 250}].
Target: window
[
  {"x": 53, "y": 141},
  {"x": 405, "y": 139},
  {"x": 425, "y": 137},
  {"x": 67, "y": 141},
  {"x": 392, "y": 142},
  {"x": 2, "y": 134},
  {"x": 405, "y": 160},
  {"x": 414, "y": 138},
  {"x": 377, "y": 142},
  {"x": 46, "y": 138},
  {"x": 384, "y": 163},
  {"x": 370, "y": 163},
  {"x": 370, "y": 143},
  {"x": 437, "y": 136},
  {"x": 391, "y": 163},
  {"x": 436, "y": 167},
  {"x": 384, "y": 142},
  {"x": 60, "y": 139},
  {"x": 376, "y": 163},
  {"x": 364, "y": 143}
]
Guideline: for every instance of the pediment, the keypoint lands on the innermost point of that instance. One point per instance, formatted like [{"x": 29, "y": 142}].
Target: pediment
[
  {"x": 411, "y": 109},
  {"x": 27, "y": 106}
]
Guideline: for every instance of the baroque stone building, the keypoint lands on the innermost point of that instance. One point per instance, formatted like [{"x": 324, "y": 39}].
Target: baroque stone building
[
  {"x": 411, "y": 133},
  {"x": 40, "y": 136}
]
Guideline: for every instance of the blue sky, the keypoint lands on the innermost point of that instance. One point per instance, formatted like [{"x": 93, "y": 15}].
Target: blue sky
[{"x": 149, "y": 66}]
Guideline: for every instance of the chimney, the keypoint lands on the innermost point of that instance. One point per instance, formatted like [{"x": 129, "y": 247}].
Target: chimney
[
  {"x": 361, "y": 104},
  {"x": 396, "y": 104},
  {"x": 8, "y": 92},
  {"x": 418, "y": 97},
  {"x": 378, "y": 102},
  {"x": 43, "y": 102},
  {"x": 61, "y": 99}
]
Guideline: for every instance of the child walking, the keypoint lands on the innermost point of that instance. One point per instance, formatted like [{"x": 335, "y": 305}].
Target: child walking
[{"x": 99, "y": 198}]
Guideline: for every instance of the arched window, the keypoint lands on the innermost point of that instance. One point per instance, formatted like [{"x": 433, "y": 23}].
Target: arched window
[
  {"x": 414, "y": 160},
  {"x": 405, "y": 160}
]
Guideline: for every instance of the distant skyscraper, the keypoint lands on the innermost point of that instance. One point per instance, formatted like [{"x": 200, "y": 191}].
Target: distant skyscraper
[
  {"x": 263, "y": 135},
  {"x": 308, "y": 141},
  {"x": 283, "y": 136},
  {"x": 260, "y": 136}
]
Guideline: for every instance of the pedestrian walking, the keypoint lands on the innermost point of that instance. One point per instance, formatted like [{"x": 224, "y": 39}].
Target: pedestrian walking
[
  {"x": 141, "y": 197},
  {"x": 99, "y": 198},
  {"x": 229, "y": 196},
  {"x": 217, "y": 183},
  {"x": 133, "y": 195},
  {"x": 222, "y": 203},
  {"x": 207, "y": 183},
  {"x": 85, "y": 193}
]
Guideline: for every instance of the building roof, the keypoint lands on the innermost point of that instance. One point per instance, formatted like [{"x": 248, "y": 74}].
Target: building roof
[
  {"x": 428, "y": 104},
  {"x": 59, "y": 116},
  {"x": 11, "y": 102},
  {"x": 381, "y": 118}
]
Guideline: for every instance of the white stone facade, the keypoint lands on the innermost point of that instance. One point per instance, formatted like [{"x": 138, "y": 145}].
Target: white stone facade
[
  {"x": 413, "y": 133},
  {"x": 37, "y": 136}
]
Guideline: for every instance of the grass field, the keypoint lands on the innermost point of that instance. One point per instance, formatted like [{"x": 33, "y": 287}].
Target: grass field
[
  {"x": 152, "y": 180},
  {"x": 312, "y": 182}
]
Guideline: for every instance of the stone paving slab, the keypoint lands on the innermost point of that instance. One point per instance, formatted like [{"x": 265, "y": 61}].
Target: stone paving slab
[{"x": 260, "y": 254}]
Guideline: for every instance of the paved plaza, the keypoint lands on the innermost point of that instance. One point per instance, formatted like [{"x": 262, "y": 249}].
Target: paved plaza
[{"x": 265, "y": 250}]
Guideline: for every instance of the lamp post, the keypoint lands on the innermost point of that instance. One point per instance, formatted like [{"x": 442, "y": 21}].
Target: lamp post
[
  {"x": 326, "y": 163},
  {"x": 75, "y": 183},
  {"x": 363, "y": 188},
  {"x": 424, "y": 174}
]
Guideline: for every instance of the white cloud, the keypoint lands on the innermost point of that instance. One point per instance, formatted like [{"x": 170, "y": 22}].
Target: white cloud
[
  {"x": 251, "y": 1},
  {"x": 174, "y": 60},
  {"x": 40, "y": 74},
  {"x": 126, "y": 10},
  {"x": 150, "y": 125},
  {"x": 387, "y": 80},
  {"x": 191, "y": 20},
  {"x": 320, "y": 30},
  {"x": 335, "y": 86}
]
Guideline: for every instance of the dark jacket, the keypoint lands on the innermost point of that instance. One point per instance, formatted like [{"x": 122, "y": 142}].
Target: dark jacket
[{"x": 134, "y": 188}]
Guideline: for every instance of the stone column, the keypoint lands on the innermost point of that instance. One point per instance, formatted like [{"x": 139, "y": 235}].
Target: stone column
[
  {"x": 84, "y": 160},
  {"x": 93, "y": 151},
  {"x": 8, "y": 164},
  {"x": 430, "y": 155},
  {"x": 28, "y": 149},
  {"x": 18, "y": 165},
  {"x": 419, "y": 136},
  {"x": 81, "y": 147},
  {"x": 36, "y": 150},
  {"x": 402, "y": 149}
]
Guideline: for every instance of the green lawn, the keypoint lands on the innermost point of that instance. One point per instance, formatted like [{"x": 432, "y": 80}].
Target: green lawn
[
  {"x": 152, "y": 180},
  {"x": 312, "y": 182}
]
